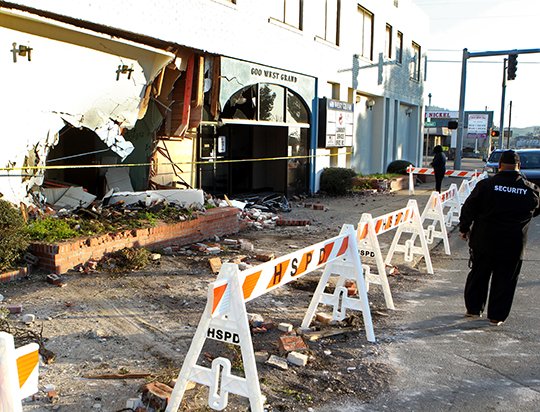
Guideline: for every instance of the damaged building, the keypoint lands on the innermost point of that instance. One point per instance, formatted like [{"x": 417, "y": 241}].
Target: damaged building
[{"x": 217, "y": 95}]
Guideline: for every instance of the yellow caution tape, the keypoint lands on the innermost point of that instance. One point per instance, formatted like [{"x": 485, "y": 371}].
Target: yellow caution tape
[{"x": 207, "y": 162}]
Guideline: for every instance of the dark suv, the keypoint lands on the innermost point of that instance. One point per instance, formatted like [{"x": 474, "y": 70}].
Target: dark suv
[{"x": 530, "y": 163}]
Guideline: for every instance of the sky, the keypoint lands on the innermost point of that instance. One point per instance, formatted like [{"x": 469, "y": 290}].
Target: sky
[{"x": 484, "y": 25}]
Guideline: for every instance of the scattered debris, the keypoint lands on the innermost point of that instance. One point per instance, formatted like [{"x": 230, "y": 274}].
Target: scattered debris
[
  {"x": 156, "y": 395},
  {"x": 285, "y": 327},
  {"x": 28, "y": 318},
  {"x": 265, "y": 257},
  {"x": 298, "y": 359},
  {"x": 215, "y": 264},
  {"x": 293, "y": 222},
  {"x": 277, "y": 362},
  {"x": 289, "y": 343},
  {"x": 55, "y": 280},
  {"x": 316, "y": 335},
  {"x": 118, "y": 375}
]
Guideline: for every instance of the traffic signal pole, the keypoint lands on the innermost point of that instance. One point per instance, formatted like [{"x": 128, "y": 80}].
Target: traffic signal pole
[
  {"x": 503, "y": 97},
  {"x": 461, "y": 121}
]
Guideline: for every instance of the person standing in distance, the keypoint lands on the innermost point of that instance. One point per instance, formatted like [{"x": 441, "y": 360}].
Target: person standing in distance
[
  {"x": 439, "y": 166},
  {"x": 499, "y": 210}
]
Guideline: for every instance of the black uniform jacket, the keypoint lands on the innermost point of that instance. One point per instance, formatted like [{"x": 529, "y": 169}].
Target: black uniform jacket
[{"x": 499, "y": 210}]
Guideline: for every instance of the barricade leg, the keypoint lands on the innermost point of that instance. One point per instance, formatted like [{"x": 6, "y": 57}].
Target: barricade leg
[
  {"x": 219, "y": 379},
  {"x": 339, "y": 299},
  {"x": 10, "y": 396}
]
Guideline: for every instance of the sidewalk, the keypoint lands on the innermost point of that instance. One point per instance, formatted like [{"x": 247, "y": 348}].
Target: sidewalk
[{"x": 446, "y": 362}]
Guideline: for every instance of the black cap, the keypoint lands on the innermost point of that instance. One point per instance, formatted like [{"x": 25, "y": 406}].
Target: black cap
[{"x": 509, "y": 157}]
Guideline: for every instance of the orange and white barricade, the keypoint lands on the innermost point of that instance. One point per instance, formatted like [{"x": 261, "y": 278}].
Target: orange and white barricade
[
  {"x": 429, "y": 171},
  {"x": 451, "y": 199},
  {"x": 467, "y": 186},
  {"x": 19, "y": 372},
  {"x": 433, "y": 213},
  {"x": 225, "y": 318},
  {"x": 406, "y": 220}
]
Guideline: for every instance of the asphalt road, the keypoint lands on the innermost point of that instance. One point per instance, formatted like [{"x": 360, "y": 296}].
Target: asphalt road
[{"x": 446, "y": 362}]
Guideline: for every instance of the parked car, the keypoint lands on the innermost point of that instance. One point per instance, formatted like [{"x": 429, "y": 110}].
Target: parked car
[{"x": 530, "y": 163}]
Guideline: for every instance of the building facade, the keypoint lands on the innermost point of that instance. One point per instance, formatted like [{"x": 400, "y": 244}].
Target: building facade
[{"x": 239, "y": 110}]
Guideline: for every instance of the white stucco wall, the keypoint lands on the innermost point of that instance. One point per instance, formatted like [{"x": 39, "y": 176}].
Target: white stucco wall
[{"x": 245, "y": 31}]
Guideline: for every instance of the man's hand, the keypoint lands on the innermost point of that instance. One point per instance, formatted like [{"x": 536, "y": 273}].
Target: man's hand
[{"x": 464, "y": 235}]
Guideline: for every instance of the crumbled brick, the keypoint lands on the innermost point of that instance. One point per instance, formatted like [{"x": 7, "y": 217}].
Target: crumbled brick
[
  {"x": 215, "y": 264},
  {"x": 293, "y": 222},
  {"x": 289, "y": 343},
  {"x": 351, "y": 287},
  {"x": 298, "y": 359},
  {"x": 265, "y": 257},
  {"x": 52, "y": 396},
  {"x": 15, "y": 309},
  {"x": 318, "y": 206}
]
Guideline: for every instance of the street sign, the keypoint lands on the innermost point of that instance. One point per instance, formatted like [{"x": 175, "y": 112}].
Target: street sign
[{"x": 430, "y": 124}]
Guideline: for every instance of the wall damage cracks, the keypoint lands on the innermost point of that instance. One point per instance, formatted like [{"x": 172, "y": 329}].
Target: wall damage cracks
[{"x": 74, "y": 79}]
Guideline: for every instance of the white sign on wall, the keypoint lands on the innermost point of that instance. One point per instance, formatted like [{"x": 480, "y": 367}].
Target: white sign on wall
[{"x": 339, "y": 123}]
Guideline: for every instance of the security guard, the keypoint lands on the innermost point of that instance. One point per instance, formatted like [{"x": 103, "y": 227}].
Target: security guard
[{"x": 499, "y": 210}]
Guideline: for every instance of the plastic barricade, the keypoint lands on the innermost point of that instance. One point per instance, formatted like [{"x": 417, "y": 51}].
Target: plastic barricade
[
  {"x": 429, "y": 171},
  {"x": 19, "y": 372},
  {"x": 225, "y": 318}
]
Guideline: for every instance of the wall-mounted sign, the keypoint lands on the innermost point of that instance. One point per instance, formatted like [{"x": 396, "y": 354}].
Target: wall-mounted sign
[{"x": 336, "y": 123}]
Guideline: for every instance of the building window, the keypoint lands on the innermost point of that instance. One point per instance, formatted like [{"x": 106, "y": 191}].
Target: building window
[
  {"x": 399, "y": 48},
  {"x": 289, "y": 12},
  {"x": 333, "y": 90},
  {"x": 327, "y": 15},
  {"x": 388, "y": 42},
  {"x": 415, "y": 61},
  {"x": 366, "y": 33}
]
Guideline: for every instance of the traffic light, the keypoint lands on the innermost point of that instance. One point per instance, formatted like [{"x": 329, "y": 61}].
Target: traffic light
[
  {"x": 495, "y": 133},
  {"x": 512, "y": 66},
  {"x": 452, "y": 125}
]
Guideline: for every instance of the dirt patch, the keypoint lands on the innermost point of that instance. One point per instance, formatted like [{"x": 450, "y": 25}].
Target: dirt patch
[{"x": 143, "y": 322}]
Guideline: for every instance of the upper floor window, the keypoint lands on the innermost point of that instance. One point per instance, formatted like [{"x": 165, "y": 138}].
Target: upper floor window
[
  {"x": 366, "y": 33},
  {"x": 415, "y": 61},
  {"x": 388, "y": 42},
  {"x": 399, "y": 47},
  {"x": 327, "y": 14},
  {"x": 289, "y": 12}
]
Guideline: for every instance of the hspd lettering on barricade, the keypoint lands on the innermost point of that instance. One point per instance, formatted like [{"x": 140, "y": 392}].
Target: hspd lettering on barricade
[
  {"x": 225, "y": 316},
  {"x": 19, "y": 372}
]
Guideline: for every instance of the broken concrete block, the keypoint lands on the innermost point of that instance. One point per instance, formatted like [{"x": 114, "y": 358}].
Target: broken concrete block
[
  {"x": 285, "y": 327},
  {"x": 215, "y": 264},
  {"x": 156, "y": 395},
  {"x": 324, "y": 318},
  {"x": 155, "y": 256},
  {"x": 277, "y": 362},
  {"x": 289, "y": 343},
  {"x": 318, "y": 206},
  {"x": 214, "y": 250},
  {"x": 298, "y": 359},
  {"x": 30, "y": 258},
  {"x": 261, "y": 356},
  {"x": 55, "y": 280},
  {"x": 230, "y": 242},
  {"x": 245, "y": 245},
  {"x": 28, "y": 318}
]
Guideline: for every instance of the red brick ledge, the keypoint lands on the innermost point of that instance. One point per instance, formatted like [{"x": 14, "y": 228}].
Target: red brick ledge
[
  {"x": 61, "y": 257},
  {"x": 13, "y": 275}
]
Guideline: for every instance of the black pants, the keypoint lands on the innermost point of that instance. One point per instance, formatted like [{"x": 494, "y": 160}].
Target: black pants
[
  {"x": 503, "y": 273},
  {"x": 439, "y": 175}
]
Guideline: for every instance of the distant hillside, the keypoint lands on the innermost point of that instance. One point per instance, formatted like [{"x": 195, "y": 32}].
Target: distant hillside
[{"x": 526, "y": 131}]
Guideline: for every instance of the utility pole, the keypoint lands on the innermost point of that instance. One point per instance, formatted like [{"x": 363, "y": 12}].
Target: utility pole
[
  {"x": 467, "y": 55},
  {"x": 509, "y": 124},
  {"x": 503, "y": 97}
]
